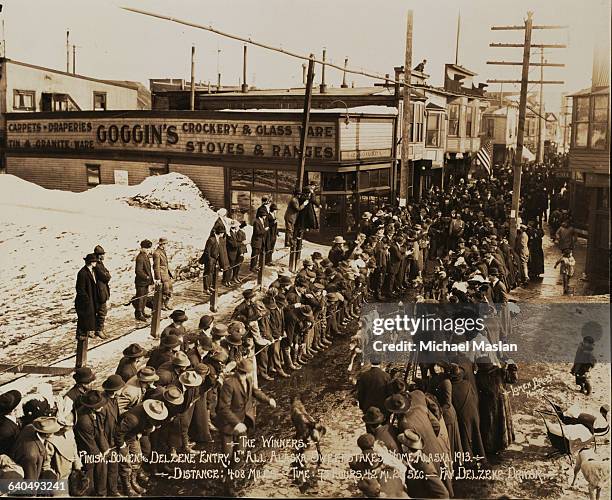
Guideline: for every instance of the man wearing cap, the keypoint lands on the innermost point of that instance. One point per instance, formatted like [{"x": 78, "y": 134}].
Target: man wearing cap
[
  {"x": 92, "y": 440},
  {"x": 87, "y": 300},
  {"x": 29, "y": 450},
  {"x": 143, "y": 279},
  {"x": 161, "y": 272},
  {"x": 9, "y": 428},
  {"x": 132, "y": 434},
  {"x": 103, "y": 277},
  {"x": 236, "y": 409},
  {"x": 136, "y": 388},
  {"x": 236, "y": 248},
  {"x": 83, "y": 378},
  {"x": 246, "y": 309}
]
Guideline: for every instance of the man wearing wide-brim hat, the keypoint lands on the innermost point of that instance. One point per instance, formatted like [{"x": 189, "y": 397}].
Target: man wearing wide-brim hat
[
  {"x": 92, "y": 439},
  {"x": 137, "y": 388},
  {"x": 132, "y": 434},
  {"x": 177, "y": 327},
  {"x": 168, "y": 347},
  {"x": 29, "y": 450},
  {"x": 161, "y": 272},
  {"x": 376, "y": 425},
  {"x": 87, "y": 300},
  {"x": 170, "y": 371},
  {"x": 236, "y": 407},
  {"x": 83, "y": 378},
  {"x": 189, "y": 383},
  {"x": 9, "y": 429},
  {"x": 128, "y": 365},
  {"x": 422, "y": 478}
]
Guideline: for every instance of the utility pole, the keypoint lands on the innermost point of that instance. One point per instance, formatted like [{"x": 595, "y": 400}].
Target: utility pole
[
  {"x": 524, "y": 81},
  {"x": 192, "y": 93},
  {"x": 296, "y": 245},
  {"x": 406, "y": 174},
  {"x": 74, "y": 59},
  {"x": 67, "y": 51},
  {"x": 457, "y": 42},
  {"x": 542, "y": 121}
]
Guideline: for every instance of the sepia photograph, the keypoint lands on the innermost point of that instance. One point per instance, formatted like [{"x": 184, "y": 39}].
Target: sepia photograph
[{"x": 305, "y": 249}]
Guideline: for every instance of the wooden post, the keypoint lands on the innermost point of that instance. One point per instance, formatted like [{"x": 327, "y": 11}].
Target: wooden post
[
  {"x": 213, "y": 297},
  {"x": 81, "y": 352},
  {"x": 157, "y": 309},
  {"x": 192, "y": 94},
  {"x": 516, "y": 188},
  {"x": 406, "y": 172}
]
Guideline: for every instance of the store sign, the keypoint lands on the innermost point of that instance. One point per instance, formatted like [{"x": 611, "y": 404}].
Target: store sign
[
  {"x": 276, "y": 140},
  {"x": 121, "y": 177}
]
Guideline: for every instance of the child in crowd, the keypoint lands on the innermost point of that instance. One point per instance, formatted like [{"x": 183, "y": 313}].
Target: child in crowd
[
  {"x": 584, "y": 362},
  {"x": 568, "y": 263}
]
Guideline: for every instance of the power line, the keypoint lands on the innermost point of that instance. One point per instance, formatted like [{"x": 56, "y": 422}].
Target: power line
[{"x": 249, "y": 40}]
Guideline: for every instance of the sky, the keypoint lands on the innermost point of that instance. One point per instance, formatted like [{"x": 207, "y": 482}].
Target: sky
[{"x": 115, "y": 44}]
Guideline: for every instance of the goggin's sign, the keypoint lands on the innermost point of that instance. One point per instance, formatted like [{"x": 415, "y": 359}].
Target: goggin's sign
[{"x": 207, "y": 137}]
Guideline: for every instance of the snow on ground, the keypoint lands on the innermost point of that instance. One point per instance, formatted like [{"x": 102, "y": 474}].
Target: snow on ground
[{"x": 46, "y": 234}]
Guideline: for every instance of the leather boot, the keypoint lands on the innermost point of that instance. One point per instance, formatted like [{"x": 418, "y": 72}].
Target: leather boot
[
  {"x": 137, "y": 487},
  {"x": 126, "y": 487},
  {"x": 288, "y": 360}
]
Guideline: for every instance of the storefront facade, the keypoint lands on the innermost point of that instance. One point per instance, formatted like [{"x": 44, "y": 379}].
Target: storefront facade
[{"x": 235, "y": 158}]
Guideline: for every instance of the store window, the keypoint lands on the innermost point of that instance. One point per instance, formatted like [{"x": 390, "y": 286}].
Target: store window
[
  {"x": 581, "y": 121},
  {"x": 24, "y": 100},
  {"x": 599, "y": 122},
  {"x": 339, "y": 181},
  {"x": 432, "y": 138},
  {"x": 374, "y": 178},
  {"x": 158, "y": 170},
  {"x": 453, "y": 119},
  {"x": 93, "y": 174},
  {"x": 99, "y": 99}
]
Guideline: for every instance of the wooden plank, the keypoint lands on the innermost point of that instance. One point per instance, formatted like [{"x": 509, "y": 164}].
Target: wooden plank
[{"x": 39, "y": 370}]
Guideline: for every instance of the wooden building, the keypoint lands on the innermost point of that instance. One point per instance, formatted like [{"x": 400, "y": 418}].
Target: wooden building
[{"x": 234, "y": 157}]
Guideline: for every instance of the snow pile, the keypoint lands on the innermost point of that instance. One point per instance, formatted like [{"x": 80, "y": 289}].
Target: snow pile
[
  {"x": 46, "y": 233},
  {"x": 168, "y": 192}
]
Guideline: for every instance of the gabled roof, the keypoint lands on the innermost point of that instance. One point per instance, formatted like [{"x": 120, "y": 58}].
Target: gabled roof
[{"x": 435, "y": 107}]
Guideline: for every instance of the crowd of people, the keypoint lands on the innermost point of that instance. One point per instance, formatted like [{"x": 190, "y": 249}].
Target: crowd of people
[{"x": 196, "y": 390}]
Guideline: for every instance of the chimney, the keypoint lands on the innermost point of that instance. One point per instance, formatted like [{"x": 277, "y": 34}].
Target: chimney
[
  {"x": 304, "y": 74},
  {"x": 344, "y": 85},
  {"x": 323, "y": 87},
  {"x": 245, "y": 87}
]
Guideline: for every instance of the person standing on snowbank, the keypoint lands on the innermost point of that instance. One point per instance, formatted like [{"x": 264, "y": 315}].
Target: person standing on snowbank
[{"x": 87, "y": 300}]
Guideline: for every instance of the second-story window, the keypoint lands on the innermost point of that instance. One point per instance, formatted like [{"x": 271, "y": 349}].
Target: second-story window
[
  {"x": 24, "y": 100},
  {"x": 453, "y": 119},
  {"x": 599, "y": 122},
  {"x": 470, "y": 122},
  {"x": 432, "y": 138},
  {"x": 416, "y": 131},
  {"x": 490, "y": 127},
  {"x": 581, "y": 121},
  {"x": 99, "y": 99}
]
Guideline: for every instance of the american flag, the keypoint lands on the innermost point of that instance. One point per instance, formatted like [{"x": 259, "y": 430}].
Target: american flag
[{"x": 485, "y": 154}]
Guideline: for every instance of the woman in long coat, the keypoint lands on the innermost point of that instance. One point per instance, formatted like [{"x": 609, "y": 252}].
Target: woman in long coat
[
  {"x": 465, "y": 401},
  {"x": 510, "y": 259},
  {"x": 495, "y": 412},
  {"x": 536, "y": 253},
  {"x": 442, "y": 389}
]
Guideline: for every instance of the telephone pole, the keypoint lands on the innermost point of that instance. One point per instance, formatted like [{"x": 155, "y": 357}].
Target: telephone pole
[
  {"x": 542, "y": 121},
  {"x": 524, "y": 81},
  {"x": 406, "y": 174}
]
